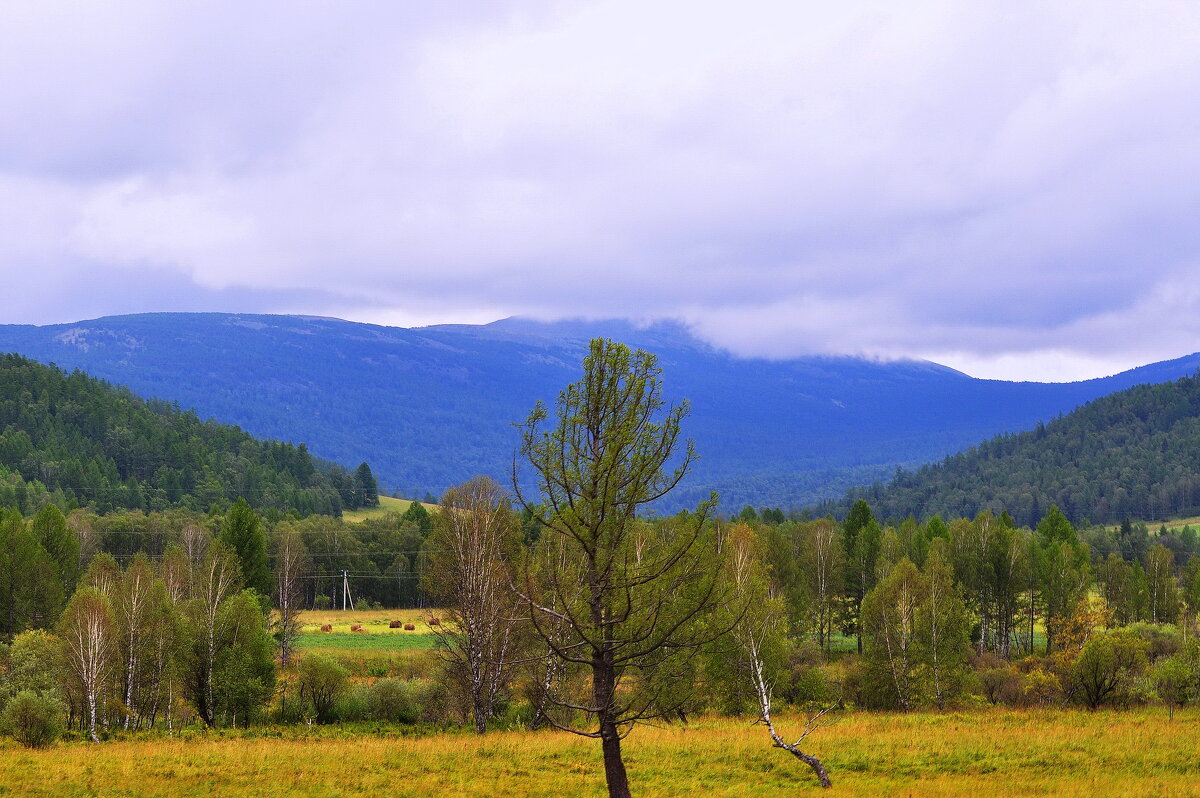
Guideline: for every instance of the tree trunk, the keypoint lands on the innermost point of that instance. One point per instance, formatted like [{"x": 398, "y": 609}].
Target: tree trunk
[
  {"x": 91, "y": 694},
  {"x": 813, "y": 763},
  {"x": 481, "y": 713},
  {"x": 604, "y": 682},
  {"x": 614, "y": 765}
]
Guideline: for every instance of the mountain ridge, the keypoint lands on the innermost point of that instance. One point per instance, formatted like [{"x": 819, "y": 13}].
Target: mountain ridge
[
  {"x": 1128, "y": 454},
  {"x": 432, "y": 406}
]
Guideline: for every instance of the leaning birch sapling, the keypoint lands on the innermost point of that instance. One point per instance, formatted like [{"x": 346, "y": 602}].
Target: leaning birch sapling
[{"x": 760, "y": 628}]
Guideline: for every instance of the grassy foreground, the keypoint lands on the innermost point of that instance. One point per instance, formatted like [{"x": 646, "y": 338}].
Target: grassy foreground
[{"x": 987, "y": 753}]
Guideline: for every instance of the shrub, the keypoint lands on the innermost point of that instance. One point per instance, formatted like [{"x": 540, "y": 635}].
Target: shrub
[
  {"x": 1162, "y": 639},
  {"x": 1107, "y": 667},
  {"x": 999, "y": 681},
  {"x": 810, "y": 685},
  {"x": 322, "y": 682},
  {"x": 392, "y": 700},
  {"x": 30, "y": 663},
  {"x": 322, "y": 603},
  {"x": 1174, "y": 680},
  {"x": 33, "y": 720},
  {"x": 351, "y": 706},
  {"x": 1040, "y": 687}
]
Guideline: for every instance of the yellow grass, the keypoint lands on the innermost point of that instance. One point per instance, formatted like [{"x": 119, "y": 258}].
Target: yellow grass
[
  {"x": 386, "y": 505},
  {"x": 988, "y": 754}
]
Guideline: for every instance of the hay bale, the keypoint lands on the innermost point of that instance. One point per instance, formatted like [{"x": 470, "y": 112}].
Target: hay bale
[
  {"x": 326, "y": 627},
  {"x": 396, "y": 624},
  {"x": 409, "y": 627}
]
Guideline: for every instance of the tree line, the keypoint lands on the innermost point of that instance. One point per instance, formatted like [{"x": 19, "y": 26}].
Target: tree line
[
  {"x": 78, "y": 442},
  {"x": 1126, "y": 455}
]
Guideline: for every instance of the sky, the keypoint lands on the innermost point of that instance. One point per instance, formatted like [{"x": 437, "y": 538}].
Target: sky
[{"x": 1011, "y": 188}]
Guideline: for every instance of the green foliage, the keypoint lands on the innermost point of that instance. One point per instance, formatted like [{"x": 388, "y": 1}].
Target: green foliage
[
  {"x": 242, "y": 532},
  {"x": 1176, "y": 681},
  {"x": 365, "y": 487},
  {"x": 31, "y": 589},
  {"x": 915, "y": 631},
  {"x": 1063, "y": 568},
  {"x": 244, "y": 676},
  {"x": 322, "y": 682},
  {"x": 32, "y": 719},
  {"x": 31, "y": 663},
  {"x": 392, "y": 701},
  {"x": 1106, "y": 670},
  {"x": 1129, "y": 454},
  {"x": 862, "y": 542},
  {"x": 758, "y": 623},
  {"x": 70, "y": 440}
]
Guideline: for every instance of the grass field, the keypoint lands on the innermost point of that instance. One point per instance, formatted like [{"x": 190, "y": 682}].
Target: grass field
[
  {"x": 992, "y": 753},
  {"x": 361, "y": 642},
  {"x": 386, "y": 505},
  {"x": 377, "y": 649},
  {"x": 371, "y": 621},
  {"x": 1174, "y": 525}
]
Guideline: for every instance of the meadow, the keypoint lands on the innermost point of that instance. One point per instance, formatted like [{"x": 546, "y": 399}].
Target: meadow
[
  {"x": 387, "y": 504},
  {"x": 376, "y": 649},
  {"x": 988, "y": 752}
]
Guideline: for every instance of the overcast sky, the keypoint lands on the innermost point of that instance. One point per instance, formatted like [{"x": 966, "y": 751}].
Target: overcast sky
[{"x": 1012, "y": 189}]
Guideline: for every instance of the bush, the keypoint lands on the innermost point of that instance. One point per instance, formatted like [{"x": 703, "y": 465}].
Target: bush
[
  {"x": 322, "y": 603},
  {"x": 999, "y": 681},
  {"x": 1106, "y": 669},
  {"x": 322, "y": 682},
  {"x": 810, "y": 685},
  {"x": 1162, "y": 639},
  {"x": 351, "y": 706},
  {"x": 30, "y": 663},
  {"x": 33, "y": 720},
  {"x": 392, "y": 700},
  {"x": 1040, "y": 687}
]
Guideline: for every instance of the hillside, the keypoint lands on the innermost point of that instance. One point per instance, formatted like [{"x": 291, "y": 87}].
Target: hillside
[
  {"x": 1133, "y": 454},
  {"x": 78, "y": 441},
  {"x": 430, "y": 407}
]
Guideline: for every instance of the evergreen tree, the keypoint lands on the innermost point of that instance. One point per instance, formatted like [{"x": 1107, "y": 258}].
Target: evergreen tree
[
  {"x": 365, "y": 487},
  {"x": 242, "y": 532}
]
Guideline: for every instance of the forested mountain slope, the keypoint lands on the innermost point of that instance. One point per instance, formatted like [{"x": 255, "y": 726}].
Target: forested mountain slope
[
  {"x": 75, "y": 440},
  {"x": 1132, "y": 454},
  {"x": 430, "y": 407}
]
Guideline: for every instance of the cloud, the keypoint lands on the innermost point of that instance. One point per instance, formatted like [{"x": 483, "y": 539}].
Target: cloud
[{"x": 1008, "y": 187}]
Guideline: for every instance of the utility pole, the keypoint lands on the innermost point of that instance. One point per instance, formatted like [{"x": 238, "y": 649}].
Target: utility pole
[{"x": 346, "y": 590}]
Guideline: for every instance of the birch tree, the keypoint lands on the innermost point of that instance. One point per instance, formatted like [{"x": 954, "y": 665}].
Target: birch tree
[
  {"x": 759, "y": 631},
  {"x": 132, "y": 612},
  {"x": 823, "y": 563},
  {"x": 474, "y": 537},
  {"x": 215, "y": 580},
  {"x": 290, "y": 559},
  {"x": 86, "y": 628}
]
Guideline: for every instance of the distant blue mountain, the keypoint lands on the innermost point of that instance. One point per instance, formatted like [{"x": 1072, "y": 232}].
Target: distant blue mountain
[{"x": 429, "y": 407}]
